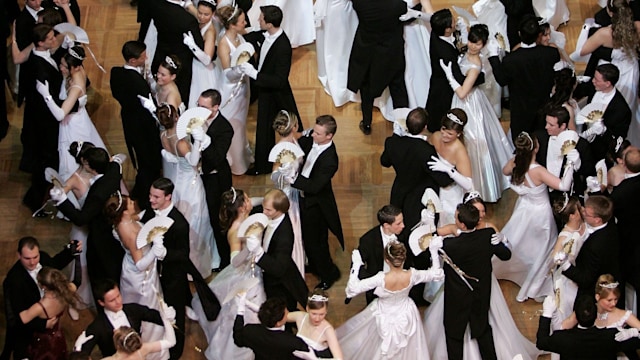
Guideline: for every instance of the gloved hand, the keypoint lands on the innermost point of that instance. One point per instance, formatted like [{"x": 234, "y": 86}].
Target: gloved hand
[
  {"x": 119, "y": 158},
  {"x": 573, "y": 157},
  {"x": 158, "y": 248},
  {"x": 626, "y": 334},
  {"x": 187, "y": 39},
  {"x": 449, "y": 73},
  {"x": 197, "y": 134},
  {"x": 564, "y": 266},
  {"x": 305, "y": 355},
  {"x": 81, "y": 340},
  {"x": 356, "y": 258},
  {"x": 493, "y": 47},
  {"x": 549, "y": 306},
  {"x": 437, "y": 164},
  {"x": 461, "y": 26},
  {"x": 498, "y": 238},
  {"x": 598, "y": 128},
  {"x": 428, "y": 218},
  {"x": 168, "y": 312},
  {"x": 254, "y": 244},
  {"x": 436, "y": 243},
  {"x": 410, "y": 14},
  {"x": 148, "y": 103},
  {"x": 241, "y": 299},
  {"x": 67, "y": 42},
  {"x": 560, "y": 258},
  {"x": 58, "y": 195},
  {"x": 203, "y": 57},
  {"x": 593, "y": 185},
  {"x": 436, "y": 274},
  {"x": 43, "y": 89},
  {"x": 249, "y": 70}
]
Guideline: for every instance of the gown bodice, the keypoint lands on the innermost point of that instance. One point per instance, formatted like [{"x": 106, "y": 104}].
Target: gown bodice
[
  {"x": 572, "y": 243},
  {"x": 313, "y": 343},
  {"x": 621, "y": 322},
  {"x": 537, "y": 195},
  {"x": 466, "y": 65}
]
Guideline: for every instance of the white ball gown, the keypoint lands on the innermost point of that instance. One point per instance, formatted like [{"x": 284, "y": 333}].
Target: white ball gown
[
  {"x": 508, "y": 340},
  {"x": 532, "y": 232},
  {"x": 204, "y": 76},
  {"x": 450, "y": 197},
  {"x": 555, "y": 12},
  {"x": 76, "y": 126},
  {"x": 81, "y": 233},
  {"x": 235, "y": 106},
  {"x": 189, "y": 198},
  {"x": 219, "y": 333},
  {"x": 486, "y": 142},
  {"x": 567, "y": 289},
  {"x": 297, "y": 19},
  {"x": 389, "y": 327}
]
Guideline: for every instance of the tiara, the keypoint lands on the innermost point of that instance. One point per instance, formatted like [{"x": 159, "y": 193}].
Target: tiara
[
  {"x": 472, "y": 195},
  {"x": 119, "y": 199},
  {"x": 543, "y": 21},
  {"x": 75, "y": 54},
  {"x": 170, "y": 62},
  {"x": 212, "y": 2},
  {"x": 80, "y": 143},
  {"x": 565, "y": 203},
  {"x": 619, "y": 141},
  {"x": 612, "y": 285},
  {"x": 236, "y": 11},
  {"x": 164, "y": 104},
  {"x": 285, "y": 112},
  {"x": 235, "y": 195},
  {"x": 318, "y": 298},
  {"x": 124, "y": 341},
  {"x": 526, "y": 134},
  {"x": 455, "y": 119}
]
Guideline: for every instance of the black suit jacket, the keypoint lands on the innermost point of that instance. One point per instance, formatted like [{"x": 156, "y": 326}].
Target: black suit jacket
[
  {"x": 409, "y": 157},
  {"x": 20, "y": 292},
  {"x": 471, "y": 252},
  {"x": 104, "y": 252},
  {"x": 266, "y": 344},
  {"x": 280, "y": 272},
  {"x": 617, "y": 118},
  {"x": 377, "y": 53},
  {"x": 529, "y": 74},
  {"x": 214, "y": 157},
  {"x": 317, "y": 187},
  {"x": 440, "y": 92},
  {"x": 625, "y": 198},
  {"x": 579, "y": 344},
  {"x": 102, "y": 330},
  {"x": 24, "y": 25},
  {"x": 599, "y": 255}
]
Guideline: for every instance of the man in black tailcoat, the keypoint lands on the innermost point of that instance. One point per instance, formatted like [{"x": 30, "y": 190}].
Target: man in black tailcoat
[
  {"x": 140, "y": 128},
  {"x": 471, "y": 251},
  {"x": 377, "y": 55}
]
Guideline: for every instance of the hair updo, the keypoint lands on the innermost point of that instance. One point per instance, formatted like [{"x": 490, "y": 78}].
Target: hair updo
[
  {"x": 395, "y": 253},
  {"x": 524, "y": 144},
  {"x": 114, "y": 207},
  {"x": 172, "y": 64},
  {"x": 167, "y": 115},
  {"x": 78, "y": 150},
  {"x": 232, "y": 201},
  {"x": 284, "y": 122},
  {"x": 71, "y": 58},
  {"x": 126, "y": 340},
  {"x": 606, "y": 285},
  {"x": 562, "y": 210},
  {"x": 318, "y": 299},
  {"x": 228, "y": 15}
]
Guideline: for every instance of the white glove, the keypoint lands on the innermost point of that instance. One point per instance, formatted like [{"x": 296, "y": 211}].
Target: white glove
[
  {"x": 67, "y": 42},
  {"x": 168, "y": 312},
  {"x": 83, "y": 338},
  {"x": 598, "y": 128},
  {"x": 356, "y": 259},
  {"x": 119, "y": 158},
  {"x": 449, "y": 73},
  {"x": 560, "y": 258},
  {"x": 461, "y": 26},
  {"x": 493, "y": 47},
  {"x": 593, "y": 185},
  {"x": 567, "y": 179},
  {"x": 187, "y": 39},
  {"x": 249, "y": 70},
  {"x": 574, "y": 157},
  {"x": 254, "y": 244},
  {"x": 58, "y": 195},
  {"x": 197, "y": 134},
  {"x": 305, "y": 355},
  {"x": 428, "y": 218},
  {"x": 148, "y": 103},
  {"x": 564, "y": 266},
  {"x": 498, "y": 238},
  {"x": 233, "y": 74},
  {"x": 241, "y": 299},
  {"x": 158, "y": 248},
  {"x": 410, "y": 14},
  {"x": 43, "y": 89},
  {"x": 549, "y": 306},
  {"x": 583, "y": 79},
  {"x": 55, "y": 110},
  {"x": 437, "y": 164},
  {"x": 203, "y": 57},
  {"x": 626, "y": 334},
  {"x": 436, "y": 243},
  {"x": 436, "y": 274},
  {"x": 185, "y": 4}
]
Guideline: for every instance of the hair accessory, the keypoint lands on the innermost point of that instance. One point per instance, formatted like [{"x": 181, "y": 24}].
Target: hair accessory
[
  {"x": 612, "y": 285},
  {"x": 285, "y": 112},
  {"x": 542, "y": 21},
  {"x": 472, "y": 195},
  {"x": 566, "y": 201},
  {"x": 236, "y": 12},
  {"x": 455, "y": 119},
  {"x": 318, "y": 298},
  {"x": 170, "y": 62},
  {"x": 212, "y": 2},
  {"x": 75, "y": 54},
  {"x": 526, "y": 134},
  {"x": 80, "y": 143},
  {"x": 164, "y": 104},
  {"x": 124, "y": 341},
  {"x": 119, "y": 199},
  {"x": 619, "y": 141},
  {"x": 235, "y": 195}
]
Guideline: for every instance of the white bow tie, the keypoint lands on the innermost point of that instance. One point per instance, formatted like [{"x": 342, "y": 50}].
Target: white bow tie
[
  {"x": 157, "y": 212},
  {"x": 390, "y": 238}
]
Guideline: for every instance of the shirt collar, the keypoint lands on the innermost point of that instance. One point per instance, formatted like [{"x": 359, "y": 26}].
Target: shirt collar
[
  {"x": 629, "y": 176},
  {"x": 275, "y": 222},
  {"x": 591, "y": 230},
  {"x": 137, "y": 69},
  {"x": 417, "y": 136},
  {"x": 450, "y": 39},
  {"x": 165, "y": 211},
  {"x": 324, "y": 147},
  {"x": 527, "y": 46},
  {"x": 386, "y": 239},
  {"x": 273, "y": 37},
  {"x": 277, "y": 328},
  {"x": 95, "y": 178},
  {"x": 33, "y": 13},
  {"x": 33, "y": 273}
]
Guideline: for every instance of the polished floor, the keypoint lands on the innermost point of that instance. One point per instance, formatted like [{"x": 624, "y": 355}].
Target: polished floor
[{"x": 362, "y": 186}]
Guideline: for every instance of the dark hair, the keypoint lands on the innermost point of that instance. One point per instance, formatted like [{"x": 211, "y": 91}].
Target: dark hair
[
  {"x": 114, "y": 207},
  {"x": 529, "y": 29},
  {"x": 210, "y": 5},
  {"x": 524, "y": 144},
  {"x": 133, "y": 49},
  {"x": 226, "y": 15},
  {"x": 49, "y": 16},
  {"x": 78, "y": 154},
  {"x": 97, "y": 159},
  {"x": 612, "y": 155},
  {"x": 609, "y": 73},
  {"x": 479, "y": 32},
  {"x": 272, "y": 15},
  {"x": 602, "y": 207},
  {"x": 417, "y": 120},
  {"x": 396, "y": 253},
  {"x": 468, "y": 214},
  {"x": 126, "y": 339},
  {"x": 73, "y": 61},
  {"x": 29, "y": 242},
  {"x": 229, "y": 208},
  {"x": 328, "y": 122},
  {"x": 441, "y": 21},
  {"x": 167, "y": 115},
  {"x": 562, "y": 211},
  {"x": 279, "y": 199},
  {"x": 39, "y": 33},
  {"x": 388, "y": 214},
  {"x": 272, "y": 311},
  {"x": 163, "y": 184},
  {"x": 564, "y": 82},
  {"x": 449, "y": 124},
  {"x": 475, "y": 200},
  {"x": 542, "y": 27},
  {"x": 174, "y": 66},
  {"x": 632, "y": 160},
  {"x": 285, "y": 122},
  {"x": 586, "y": 310},
  {"x": 101, "y": 287},
  {"x": 561, "y": 113},
  {"x": 214, "y": 95},
  {"x": 316, "y": 304}
]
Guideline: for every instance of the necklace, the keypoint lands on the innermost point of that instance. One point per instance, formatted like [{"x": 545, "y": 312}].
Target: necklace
[{"x": 603, "y": 316}]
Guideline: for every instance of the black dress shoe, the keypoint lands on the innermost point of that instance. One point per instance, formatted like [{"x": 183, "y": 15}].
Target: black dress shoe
[
  {"x": 216, "y": 270},
  {"x": 252, "y": 171},
  {"x": 325, "y": 285},
  {"x": 366, "y": 129}
]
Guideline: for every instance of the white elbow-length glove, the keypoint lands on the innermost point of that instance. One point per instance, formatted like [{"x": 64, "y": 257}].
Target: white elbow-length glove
[
  {"x": 449, "y": 73},
  {"x": 187, "y": 39},
  {"x": 598, "y": 128},
  {"x": 55, "y": 110},
  {"x": 437, "y": 164}
]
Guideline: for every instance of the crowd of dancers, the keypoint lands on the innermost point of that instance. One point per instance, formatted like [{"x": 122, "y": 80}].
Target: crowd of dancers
[{"x": 184, "y": 90}]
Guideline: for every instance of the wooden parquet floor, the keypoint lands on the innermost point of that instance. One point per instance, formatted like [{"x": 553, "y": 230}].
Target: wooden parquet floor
[{"x": 361, "y": 185}]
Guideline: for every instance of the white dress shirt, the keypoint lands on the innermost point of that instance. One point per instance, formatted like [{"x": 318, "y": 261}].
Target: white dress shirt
[
  {"x": 386, "y": 239},
  {"x": 46, "y": 54},
  {"x": 268, "y": 41},
  {"x": 554, "y": 156},
  {"x": 135, "y": 68},
  {"x": 34, "y": 275},
  {"x": 313, "y": 155},
  {"x": 117, "y": 319},
  {"x": 165, "y": 211},
  {"x": 603, "y": 98},
  {"x": 268, "y": 232}
]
